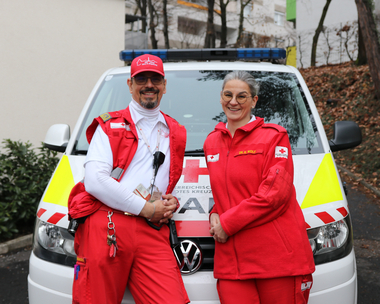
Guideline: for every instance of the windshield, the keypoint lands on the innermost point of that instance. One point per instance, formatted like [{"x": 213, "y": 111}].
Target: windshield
[{"x": 192, "y": 98}]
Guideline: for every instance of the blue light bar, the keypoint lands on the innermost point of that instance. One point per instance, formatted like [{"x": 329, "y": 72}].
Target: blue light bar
[
  {"x": 261, "y": 53},
  {"x": 159, "y": 53},
  {"x": 249, "y": 54}
]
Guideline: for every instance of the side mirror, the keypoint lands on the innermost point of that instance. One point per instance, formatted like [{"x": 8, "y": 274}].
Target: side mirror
[
  {"x": 347, "y": 134},
  {"x": 57, "y": 137}
]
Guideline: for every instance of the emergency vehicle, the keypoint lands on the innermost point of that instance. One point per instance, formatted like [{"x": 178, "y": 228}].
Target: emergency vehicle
[{"x": 194, "y": 81}]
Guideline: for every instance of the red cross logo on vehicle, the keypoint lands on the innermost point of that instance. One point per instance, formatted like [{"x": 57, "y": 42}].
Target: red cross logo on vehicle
[{"x": 192, "y": 171}]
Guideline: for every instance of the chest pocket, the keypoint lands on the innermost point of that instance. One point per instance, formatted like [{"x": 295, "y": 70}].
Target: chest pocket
[
  {"x": 123, "y": 150},
  {"x": 129, "y": 135}
]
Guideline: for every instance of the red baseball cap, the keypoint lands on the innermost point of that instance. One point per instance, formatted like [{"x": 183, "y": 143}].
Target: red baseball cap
[{"x": 147, "y": 63}]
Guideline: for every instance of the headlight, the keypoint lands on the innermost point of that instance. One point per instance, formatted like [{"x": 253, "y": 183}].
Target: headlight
[
  {"x": 332, "y": 241},
  {"x": 53, "y": 244}
]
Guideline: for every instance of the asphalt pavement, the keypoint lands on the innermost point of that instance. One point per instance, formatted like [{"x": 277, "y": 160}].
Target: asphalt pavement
[
  {"x": 14, "y": 269},
  {"x": 365, "y": 215}
]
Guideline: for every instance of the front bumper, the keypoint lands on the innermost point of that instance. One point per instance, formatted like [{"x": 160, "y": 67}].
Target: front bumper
[
  {"x": 52, "y": 283},
  {"x": 334, "y": 282}
]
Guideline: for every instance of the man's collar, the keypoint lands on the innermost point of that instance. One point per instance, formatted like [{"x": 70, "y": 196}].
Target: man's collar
[{"x": 138, "y": 116}]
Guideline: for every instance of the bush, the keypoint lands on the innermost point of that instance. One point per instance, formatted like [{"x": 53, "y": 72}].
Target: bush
[{"x": 24, "y": 175}]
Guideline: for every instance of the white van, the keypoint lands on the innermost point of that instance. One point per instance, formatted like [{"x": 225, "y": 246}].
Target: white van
[{"x": 194, "y": 80}]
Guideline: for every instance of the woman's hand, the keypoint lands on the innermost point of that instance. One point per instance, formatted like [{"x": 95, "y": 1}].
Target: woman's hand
[
  {"x": 214, "y": 220},
  {"x": 216, "y": 229}
]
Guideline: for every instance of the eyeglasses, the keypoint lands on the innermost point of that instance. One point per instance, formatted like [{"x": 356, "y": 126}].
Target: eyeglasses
[
  {"x": 141, "y": 80},
  {"x": 240, "y": 98}
]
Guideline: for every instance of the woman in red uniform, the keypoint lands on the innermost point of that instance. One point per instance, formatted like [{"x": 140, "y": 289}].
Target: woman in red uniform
[{"x": 262, "y": 252}]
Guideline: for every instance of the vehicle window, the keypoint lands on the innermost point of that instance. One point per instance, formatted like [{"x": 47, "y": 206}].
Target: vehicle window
[
  {"x": 193, "y": 99},
  {"x": 113, "y": 95}
]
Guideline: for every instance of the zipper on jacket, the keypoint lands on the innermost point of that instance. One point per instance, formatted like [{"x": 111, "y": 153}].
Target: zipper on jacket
[
  {"x": 225, "y": 177},
  {"x": 274, "y": 179},
  {"x": 228, "y": 194}
]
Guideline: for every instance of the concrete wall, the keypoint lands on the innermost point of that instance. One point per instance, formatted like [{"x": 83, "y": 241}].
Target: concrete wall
[{"x": 52, "y": 53}]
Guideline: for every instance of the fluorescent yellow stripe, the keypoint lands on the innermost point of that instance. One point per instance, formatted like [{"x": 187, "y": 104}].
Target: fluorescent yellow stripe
[
  {"x": 325, "y": 187},
  {"x": 291, "y": 58},
  {"x": 61, "y": 184}
]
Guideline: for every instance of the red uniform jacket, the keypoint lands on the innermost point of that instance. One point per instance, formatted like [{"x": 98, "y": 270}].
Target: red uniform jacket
[
  {"x": 251, "y": 179},
  {"x": 124, "y": 142}
]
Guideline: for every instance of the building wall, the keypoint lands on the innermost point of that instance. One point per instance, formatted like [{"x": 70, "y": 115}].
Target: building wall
[
  {"x": 259, "y": 22},
  {"x": 263, "y": 23},
  {"x": 52, "y": 53}
]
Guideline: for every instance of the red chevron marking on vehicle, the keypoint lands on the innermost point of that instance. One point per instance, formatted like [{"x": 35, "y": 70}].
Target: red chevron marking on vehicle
[
  {"x": 40, "y": 212},
  {"x": 325, "y": 217},
  {"x": 55, "y": 218}
]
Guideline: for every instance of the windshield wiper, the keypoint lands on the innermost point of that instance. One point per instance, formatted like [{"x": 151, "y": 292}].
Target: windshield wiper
[{"x": 196, "y": 152}]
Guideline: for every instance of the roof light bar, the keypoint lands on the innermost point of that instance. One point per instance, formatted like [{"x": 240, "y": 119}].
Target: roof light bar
[{"x": 253, "y": 54}]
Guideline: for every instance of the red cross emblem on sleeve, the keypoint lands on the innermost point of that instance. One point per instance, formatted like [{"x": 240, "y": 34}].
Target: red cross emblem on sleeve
[{"x": 281, "y": 152}]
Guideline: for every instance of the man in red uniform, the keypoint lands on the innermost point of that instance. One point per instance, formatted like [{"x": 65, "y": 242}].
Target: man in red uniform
[{"x": 115, "y": 246}]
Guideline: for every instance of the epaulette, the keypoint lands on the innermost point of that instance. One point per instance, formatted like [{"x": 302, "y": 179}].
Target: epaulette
[
  {"x": 107, "y": 116},
  {"x": 274, "y": 126}
]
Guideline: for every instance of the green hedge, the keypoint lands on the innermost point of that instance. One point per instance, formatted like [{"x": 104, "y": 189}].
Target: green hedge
[{"x": 24, "y": 174}]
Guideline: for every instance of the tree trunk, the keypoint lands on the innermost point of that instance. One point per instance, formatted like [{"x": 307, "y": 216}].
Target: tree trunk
[
  {"x": 223, "y": 17},
  {"x": 152, "y": 26},
  {"x": 141, "y": 4},
  {"x": 241, "y": 22},
  {"x": 317, "y": 32},
  {"x": 371, "y": 42},
  {"x": 210, "y": 31},
  {"x": 166, "y": 24},
  {"x": 362, "y": 57}
]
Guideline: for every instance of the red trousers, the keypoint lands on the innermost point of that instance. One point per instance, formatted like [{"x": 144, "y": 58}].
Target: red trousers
[
  {"x": 144, "y": 263},
  {"x": 287, "y": 290}
]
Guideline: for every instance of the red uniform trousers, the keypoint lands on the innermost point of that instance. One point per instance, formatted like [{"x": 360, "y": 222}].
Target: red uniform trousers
[
  {"x": 144, "y": 262},
  {"x": 287, "y": 290}
]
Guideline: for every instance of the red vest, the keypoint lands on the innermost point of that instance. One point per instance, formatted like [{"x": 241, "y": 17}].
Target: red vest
[{"x": 124, "y": 142}]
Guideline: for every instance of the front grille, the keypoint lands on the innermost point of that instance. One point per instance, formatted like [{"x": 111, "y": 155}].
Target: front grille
[{"x": 207, "y": 245}]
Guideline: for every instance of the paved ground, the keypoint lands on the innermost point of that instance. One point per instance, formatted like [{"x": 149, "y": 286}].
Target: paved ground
[
  {"x": 365, "y": 210},
  {"x": 14, "y": 269}
]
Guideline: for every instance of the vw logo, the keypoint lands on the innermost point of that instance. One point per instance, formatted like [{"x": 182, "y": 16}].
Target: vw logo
[{"x": 189, "y": 256}]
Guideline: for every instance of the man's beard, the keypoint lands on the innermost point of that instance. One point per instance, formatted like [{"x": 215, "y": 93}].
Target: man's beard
[{"x": 150, "y": 103}]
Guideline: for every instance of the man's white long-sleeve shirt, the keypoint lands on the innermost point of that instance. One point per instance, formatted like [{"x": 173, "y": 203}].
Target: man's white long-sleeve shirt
[{"x": 99, "y": 163}]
